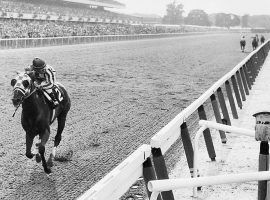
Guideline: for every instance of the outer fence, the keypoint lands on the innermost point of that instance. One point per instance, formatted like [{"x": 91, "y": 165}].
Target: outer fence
[
  {"x": 57, "y": 41},
  {"x": 157, "y": 186},
  {"x": 237, "y": 83}
]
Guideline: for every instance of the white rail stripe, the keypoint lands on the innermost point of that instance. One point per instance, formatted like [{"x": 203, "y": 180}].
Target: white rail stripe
[
  {"x": 227, "y": 128},
  {"x": 172, "y": 184}
]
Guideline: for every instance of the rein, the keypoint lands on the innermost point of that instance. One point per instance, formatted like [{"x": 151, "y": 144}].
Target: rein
[{"x": 21, "y": 101}]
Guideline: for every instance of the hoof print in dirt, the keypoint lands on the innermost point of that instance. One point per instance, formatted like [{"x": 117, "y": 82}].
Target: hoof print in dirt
[
  {"x": 95, "y": 142},
  {"x": 64, "y": 158}
]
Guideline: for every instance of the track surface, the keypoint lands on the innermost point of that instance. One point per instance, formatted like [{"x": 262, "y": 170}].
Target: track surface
[{"x": 122, "y": 94}]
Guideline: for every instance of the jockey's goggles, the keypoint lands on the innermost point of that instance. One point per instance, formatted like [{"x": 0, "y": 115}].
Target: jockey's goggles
[{"x": 40, "y": 71}]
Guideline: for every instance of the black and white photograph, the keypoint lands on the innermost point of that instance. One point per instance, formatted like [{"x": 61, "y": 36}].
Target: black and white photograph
[{"x": 134, "y": 99}]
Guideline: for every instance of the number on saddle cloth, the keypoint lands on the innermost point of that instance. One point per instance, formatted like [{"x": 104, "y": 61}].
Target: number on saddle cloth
[{"x": 56, "y": 91}]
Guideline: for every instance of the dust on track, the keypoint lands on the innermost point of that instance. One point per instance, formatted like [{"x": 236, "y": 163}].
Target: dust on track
[{"x": 122, "y": 93}]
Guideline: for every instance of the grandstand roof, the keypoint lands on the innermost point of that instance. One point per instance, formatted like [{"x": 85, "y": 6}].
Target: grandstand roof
[{"x": 103, "y": 3}]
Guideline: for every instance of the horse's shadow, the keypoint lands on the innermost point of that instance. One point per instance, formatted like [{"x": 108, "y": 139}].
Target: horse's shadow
[{"x": 39, "y": 186}]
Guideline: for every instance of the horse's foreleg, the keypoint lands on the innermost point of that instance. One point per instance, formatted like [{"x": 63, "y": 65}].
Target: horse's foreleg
[
  {"x": 29, "y": 143},
  {"x": 41, "y": 150},
  {"x": 51, "y": 158}
]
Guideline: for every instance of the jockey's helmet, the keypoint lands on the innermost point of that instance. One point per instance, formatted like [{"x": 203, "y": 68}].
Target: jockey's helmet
[{"x": 38, "y": 64}]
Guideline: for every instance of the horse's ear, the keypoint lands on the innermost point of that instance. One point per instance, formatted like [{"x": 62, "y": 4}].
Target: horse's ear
[
  {"x": 13, "y": 82},
  {"x": 31, "y": 75}
]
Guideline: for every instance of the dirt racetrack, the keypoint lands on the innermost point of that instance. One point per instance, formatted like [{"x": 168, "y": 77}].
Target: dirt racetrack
[{"x": 122, "y": 93}]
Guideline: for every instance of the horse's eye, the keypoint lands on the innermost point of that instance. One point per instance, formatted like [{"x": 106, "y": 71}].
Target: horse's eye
[
  {"x": 13, "y": 82},
  {"x": 25, "y": 83}
]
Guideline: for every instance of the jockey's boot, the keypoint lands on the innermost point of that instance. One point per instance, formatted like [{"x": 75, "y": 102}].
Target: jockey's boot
[{"x": 54, "y": 99}]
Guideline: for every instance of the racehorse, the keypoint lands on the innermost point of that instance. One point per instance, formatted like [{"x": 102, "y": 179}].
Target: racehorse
[
  {"x": 254, "y": 43},
  {"x": 262, "y": 39},
  {"x": 37, "y": 116},
  {"x": 242, "y": 45}
]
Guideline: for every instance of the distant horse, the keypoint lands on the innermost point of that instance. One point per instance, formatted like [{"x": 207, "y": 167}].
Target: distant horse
[
  {"x": 242, "y": 45},
  {"x": 254, "y": 43},
  {"x": 262, "y": 39},
  {"x": 37, "y": 116}
]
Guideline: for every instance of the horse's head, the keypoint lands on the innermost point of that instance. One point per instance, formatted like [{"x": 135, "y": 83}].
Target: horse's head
[{"x": 21, "y": 88}]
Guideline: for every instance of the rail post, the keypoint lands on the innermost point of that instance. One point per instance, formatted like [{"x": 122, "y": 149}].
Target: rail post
[
  {"x": 262, "y": 134},
  {"x": 247, "y": 76},
  {"x": 240, "y": 84},
  {"x": 254, "y": 66},
  {"x": 250, "y": 71},
  {"x": 161, "y": 171},
  {"x": 245, "y": 84},
  {"x": 218, "y": 117},
  {"x": 263, "y": 166},
  {"x": 223, "y": 106},
  {"x": 236, "y": 92},
  {"x": 207, "y": 135},
  {"x": 187, "y": 146},
  {"x": 231, "y": 100},
  {"x": 148, "y": 175}
]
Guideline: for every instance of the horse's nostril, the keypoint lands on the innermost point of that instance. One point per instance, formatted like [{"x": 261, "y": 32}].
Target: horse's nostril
[{"x": 15, "y": 101}]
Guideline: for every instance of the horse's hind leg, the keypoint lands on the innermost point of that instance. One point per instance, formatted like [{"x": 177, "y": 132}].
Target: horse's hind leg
[
  {"x": 41, "y": 150},
  {"x": 61, "y": 119}
]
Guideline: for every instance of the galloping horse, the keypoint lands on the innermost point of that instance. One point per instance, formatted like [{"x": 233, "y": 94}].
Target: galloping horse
[
  {"x": 254, "y": 43},
  {"x": 37, "y": 116},
  {"x": 242, "y": 44}
]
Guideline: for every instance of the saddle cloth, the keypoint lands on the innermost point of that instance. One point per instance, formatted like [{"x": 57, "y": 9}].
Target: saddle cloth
[{"x": 58, "y": 93}]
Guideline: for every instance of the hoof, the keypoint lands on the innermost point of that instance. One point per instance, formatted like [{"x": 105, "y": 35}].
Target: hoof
[
  {"x": 50, "y": 163},
  {"x": 38, "y": 158},
  {"x": 29, "y": 155},
  {"x": 47, "y": 170}
]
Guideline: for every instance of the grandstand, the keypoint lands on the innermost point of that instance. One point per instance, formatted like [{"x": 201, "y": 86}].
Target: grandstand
[
  {"x": 67, "y": 18},
  {"x": 100, "y": 3},
  {"x": 50, "y": 18}
]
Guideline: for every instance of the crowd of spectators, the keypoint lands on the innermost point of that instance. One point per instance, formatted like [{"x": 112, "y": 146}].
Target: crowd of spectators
[
  {"x": 17, "y": 28},
  {"x": 58, "y": 8},
  {"x": 36, "y": 28}
]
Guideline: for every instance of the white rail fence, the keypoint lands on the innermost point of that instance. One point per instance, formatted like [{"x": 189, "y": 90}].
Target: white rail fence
[
  {"x": 71, "y": 40},
  {"x": 173, "y": 184},
  {"x": 158, "y": 186},
  {"x": 139, "y": 163}
]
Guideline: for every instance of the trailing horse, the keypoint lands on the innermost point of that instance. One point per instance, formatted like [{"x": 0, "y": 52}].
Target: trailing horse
[
  {"x": 37, "y": 116},
  {"x": 254, "y": 43},
  {"x": 242, "y": 45}
]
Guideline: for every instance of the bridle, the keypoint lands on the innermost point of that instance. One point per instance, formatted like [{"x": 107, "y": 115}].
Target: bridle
[{"x": 22, "y": 98}]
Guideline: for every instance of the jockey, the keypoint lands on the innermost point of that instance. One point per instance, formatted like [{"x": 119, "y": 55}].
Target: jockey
[{"x": 44, "y": 78}]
